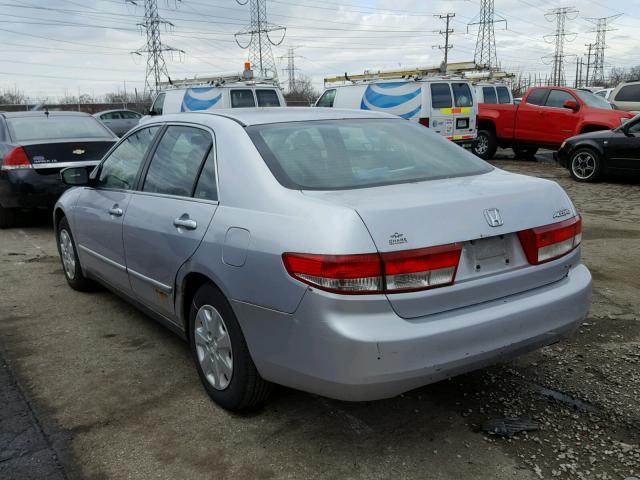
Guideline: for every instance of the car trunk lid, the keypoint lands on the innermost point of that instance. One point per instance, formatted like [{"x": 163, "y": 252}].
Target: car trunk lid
[{"x": 50, "y": 157}]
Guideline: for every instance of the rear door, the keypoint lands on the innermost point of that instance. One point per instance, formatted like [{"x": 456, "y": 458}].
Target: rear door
[
  {"x": 168, "y": 216},
  {"x": 464, "y": 111},
  {"x": 441, "y": 117},
  {"x": 100, "y": 209},
  {"x": 624, "y": 150},
  {"x": 528, "y": 123}
]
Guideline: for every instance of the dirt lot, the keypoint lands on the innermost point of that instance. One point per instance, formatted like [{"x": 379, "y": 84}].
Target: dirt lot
[{"x": 101, "y": 391}]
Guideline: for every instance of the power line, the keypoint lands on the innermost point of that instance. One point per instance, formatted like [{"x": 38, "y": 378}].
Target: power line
[
  {"x": 485, "y": 53},
  {"x": 447, "y": 31},
  {"x": 602, "y": 27},
  {"x": 291, "y": 68},
  {"x": 560, "y": 15}
]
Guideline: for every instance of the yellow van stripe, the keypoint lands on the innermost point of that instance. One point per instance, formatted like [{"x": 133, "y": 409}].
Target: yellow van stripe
[{"x": 449, "y": 111}]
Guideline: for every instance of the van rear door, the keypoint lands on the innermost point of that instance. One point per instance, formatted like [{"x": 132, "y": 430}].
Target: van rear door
[{"x": 464, "y": 112}]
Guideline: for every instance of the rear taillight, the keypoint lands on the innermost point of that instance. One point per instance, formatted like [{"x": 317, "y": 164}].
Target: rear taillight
[
  {"x": 543, "y": 244},
  {"x": 396, "y": 272},
  {"x": 424, "y": 121},
  {"x": 15, "y": 159}
]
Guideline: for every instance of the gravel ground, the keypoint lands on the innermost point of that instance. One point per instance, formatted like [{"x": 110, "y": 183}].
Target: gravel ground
[{"x": 120, "y": 397}]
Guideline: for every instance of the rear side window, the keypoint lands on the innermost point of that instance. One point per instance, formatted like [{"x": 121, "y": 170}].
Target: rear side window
[
  {"x": 489, "y": 94},
  {"x": 462, "y": 95},
  {"x": 629, "y": 93},
  {"x": 440, "y": 95},
  {"x": 327, "y": 99},
  {"x": 503, "y": 95},
  {"x": 176, "y": 162},
  {"x": 537, "y": 97},
  {"x": 111, "y": 116},
  {"x": 267, "y": 98},
  {"x": 130, "y": 115},
  {"x": 242, "y": 99},
  {"x": 54, "y": 127},
  {"x": 557, "y": 98},
  {"x": 206, "y": 187},
  {"x": 158, "y": 104}
]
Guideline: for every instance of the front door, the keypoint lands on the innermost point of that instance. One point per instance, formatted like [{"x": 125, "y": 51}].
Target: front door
[
  {"x": 167, "y": 219},
  {"x": 623, "y": 149},
  {"x": 101, "y": 208},
  {"x": 558, "y": 122}
]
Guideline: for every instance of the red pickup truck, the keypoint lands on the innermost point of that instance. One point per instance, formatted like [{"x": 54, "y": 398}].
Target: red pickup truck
[{"x": 545, "y": 117}]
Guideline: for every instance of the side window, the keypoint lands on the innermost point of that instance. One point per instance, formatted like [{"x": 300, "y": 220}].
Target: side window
[
  {"x": 327, "y": 98},
  {"x": 503, "y": 95},
  {"x": 557, "y": 98},
  {"x": 635, "y": 127},
  {"x": 130, "y": 115},
  {"x": 489, "y": 94},
  {"x": 176, "y": 162},
  {"x": 206, "y": 187},
  {"x": 120, "y": 168},
  {"x": 462, "y": 94},
  {"x": 537, "y": 97},
  {"x": 158, "y": 104},
  {"x": 628, "y": 93},
  {"x": 267, "y": 98},
  {"x": 440, "y": 95},
  {"x": 242, "y": 99},
  {"x": 110, "y": 116}
]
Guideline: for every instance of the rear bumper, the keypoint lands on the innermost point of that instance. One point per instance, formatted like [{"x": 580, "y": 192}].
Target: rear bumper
[
  {"x": 30, "y": 189},
  {"x": 359, "y": 349}
]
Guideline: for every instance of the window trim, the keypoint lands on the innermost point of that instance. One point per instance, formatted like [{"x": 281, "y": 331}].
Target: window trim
[
  {"x": 563, "y": 91},
  {"x": 451, "y": 99}
]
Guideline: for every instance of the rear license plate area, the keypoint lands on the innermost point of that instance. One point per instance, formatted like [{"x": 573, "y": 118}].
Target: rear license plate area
[
  {"x": 489, "y": 254},
  {"x": 462, "y": 123}
]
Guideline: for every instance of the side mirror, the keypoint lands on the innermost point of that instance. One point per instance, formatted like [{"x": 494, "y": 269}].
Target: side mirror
[
  {"x": 75, "y": 176},
  {"x": 625, "y": 130},
  {"x": 571, "y": 105},
  {"x": 146, "y": 111}
]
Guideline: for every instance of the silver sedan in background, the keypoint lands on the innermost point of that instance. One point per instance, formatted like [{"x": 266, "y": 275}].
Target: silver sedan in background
[
  {"x": 119, "y": 121},
  {"x": 351, "y": 254}
]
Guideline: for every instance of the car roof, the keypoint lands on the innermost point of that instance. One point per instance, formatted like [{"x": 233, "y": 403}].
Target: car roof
[
  {"x": 266, "y": 115},
  {"x": 40, "y": 113},
  {"x": 115, "y": 110}
]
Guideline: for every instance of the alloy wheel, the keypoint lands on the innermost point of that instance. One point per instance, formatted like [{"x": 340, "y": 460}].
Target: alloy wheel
[
  {"x": 68, "y": 254},
  {"x": 213, "y": 347},
  {"x": 583, "y": 165},
  {"x": 482, "y": 144}
]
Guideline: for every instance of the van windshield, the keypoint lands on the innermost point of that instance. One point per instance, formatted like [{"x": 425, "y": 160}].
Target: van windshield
[{"x": 359, "y": 153}]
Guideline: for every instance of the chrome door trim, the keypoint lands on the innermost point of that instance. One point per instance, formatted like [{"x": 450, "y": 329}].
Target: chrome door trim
[
  {"x": 83, "y": 163},
  {"x": 106, "y": 260},
  {"x": 165, "y": 288}
]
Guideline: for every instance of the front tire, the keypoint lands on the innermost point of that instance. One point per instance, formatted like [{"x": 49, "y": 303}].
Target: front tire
[
  {"x": 486, "y": 144},
  {"x": 221, "y": 355},
  {"x": 585, "y": 165},
  {"x": 70, "y": 261}
]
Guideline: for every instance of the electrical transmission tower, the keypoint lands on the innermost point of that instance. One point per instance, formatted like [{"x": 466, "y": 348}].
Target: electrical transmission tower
[
  {"x": 154, "y": 48},
  {"x": 447, "y": 46},
  {"x": 291, "y": 68},
  {"x": 259, "y": 44},
  {"x": 560, "y": 15},
  {"x": 602, "y": 27},
  {"x": 485, "y": 53}
]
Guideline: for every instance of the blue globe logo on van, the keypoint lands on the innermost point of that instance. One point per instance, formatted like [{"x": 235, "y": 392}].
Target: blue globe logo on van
[
  {"x": 200, "y": 98},
  {"x": 398, "y": 98}
]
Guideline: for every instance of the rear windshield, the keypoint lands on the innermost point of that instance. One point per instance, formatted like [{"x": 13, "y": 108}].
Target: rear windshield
[
  {"x": 593, "y": 100},
  {"x": 54, "y": 127},
  {"x": 346, "y": 154}
]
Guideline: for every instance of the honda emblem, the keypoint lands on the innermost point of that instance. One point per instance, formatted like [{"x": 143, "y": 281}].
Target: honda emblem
[{"x": 492, "y": 215}]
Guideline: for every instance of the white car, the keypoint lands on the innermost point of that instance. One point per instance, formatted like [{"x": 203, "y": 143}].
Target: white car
[{"x": 605, "y": 93}]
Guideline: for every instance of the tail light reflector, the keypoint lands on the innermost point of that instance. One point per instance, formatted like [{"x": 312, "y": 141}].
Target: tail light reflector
[
  {"x": 424, "y": 121},
  {"x": 16, "y": 158},
  {"x": 395, "y": 272},
  {"x": 543, "y": 244}
]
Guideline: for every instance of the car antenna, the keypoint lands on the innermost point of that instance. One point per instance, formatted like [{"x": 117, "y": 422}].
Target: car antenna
[{"x": 46, "y": 111}]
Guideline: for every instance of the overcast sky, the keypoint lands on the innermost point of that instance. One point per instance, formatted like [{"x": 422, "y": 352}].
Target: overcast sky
[{"x": 57, "y": 47}]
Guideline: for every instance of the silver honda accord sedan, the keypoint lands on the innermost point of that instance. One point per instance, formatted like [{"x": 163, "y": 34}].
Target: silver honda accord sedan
[{"x": 351, "y": 254}]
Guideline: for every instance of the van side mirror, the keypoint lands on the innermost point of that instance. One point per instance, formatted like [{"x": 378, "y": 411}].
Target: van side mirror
[
  {"x": 571, "y": 105},
  {"x": 75, "y": 176}
]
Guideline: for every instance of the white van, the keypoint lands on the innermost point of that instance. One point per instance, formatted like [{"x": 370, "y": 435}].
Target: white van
[
  {"x": 214, "y": 95},
  {"x": 493, "y": 93},
  {"x": 445, "y": 104}
]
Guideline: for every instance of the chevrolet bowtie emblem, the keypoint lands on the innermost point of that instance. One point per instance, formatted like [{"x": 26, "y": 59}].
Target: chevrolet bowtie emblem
[{"x": 78, "y": 151}]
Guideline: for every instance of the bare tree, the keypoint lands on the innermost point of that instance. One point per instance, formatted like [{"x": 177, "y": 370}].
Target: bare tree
[
  {"x": 12, "y": 97},
  {"x": 303, "y": 92}
]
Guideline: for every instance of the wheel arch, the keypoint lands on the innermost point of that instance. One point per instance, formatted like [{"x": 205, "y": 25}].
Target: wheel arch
[
  {"x": 58, "y": 215},
  {"x": 487, "y": 124},
  {"x": 593, "y": 127},
  {"x": 189, "y": 285}
]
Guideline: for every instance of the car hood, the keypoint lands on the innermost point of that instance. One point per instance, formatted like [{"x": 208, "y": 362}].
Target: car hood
[{"x": 600, "y": 134}]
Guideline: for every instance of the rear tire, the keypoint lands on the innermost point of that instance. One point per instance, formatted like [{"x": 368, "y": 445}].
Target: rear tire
[
  {"x": 486, "y": 144},
  {"x": 525, "y": 153},
  {"x": 221, "y": 355},
  {"x": 7, "y": 217},
  {"x": 585, "y": 165},
  {"x": 69, "y": 258}
]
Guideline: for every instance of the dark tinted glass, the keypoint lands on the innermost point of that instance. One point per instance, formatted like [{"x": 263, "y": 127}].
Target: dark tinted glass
[
  {"x": 120, "y": 168},
  {"x": 344, "y": 154},
  {"x": 206, "y": 187},
  {"x": 267, "y": 98},
  {"x": 327, "y": 98},
  {"x": 55, "y": 127},
  {"x": 634, "y": 127},
  {"x": 158, "y": 104},
  {"x": 557, "y": 98},
  {"x": 489, "y": 94},
  {"x": 462, "y": 94},
  {"x": 176, "y": 162},
  {"x": 503, "y": 95},
  {"x": 629, "y": 93},
  {"x": 537, "y": 96},
  {"x": 440, "y": 95},
  {"x": 242, "y": 99}
]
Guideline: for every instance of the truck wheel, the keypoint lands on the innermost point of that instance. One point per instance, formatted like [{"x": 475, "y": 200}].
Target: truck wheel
[
  {"x": 525, "y": 153},
  {"x": 585, "y": 165},
  {"x": 486, "y": 144}
]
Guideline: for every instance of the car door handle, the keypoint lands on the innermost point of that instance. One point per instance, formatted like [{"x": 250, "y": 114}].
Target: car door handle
[
  {"x": 185, "y": 222},
  {"x": 116, "y": 211}
]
